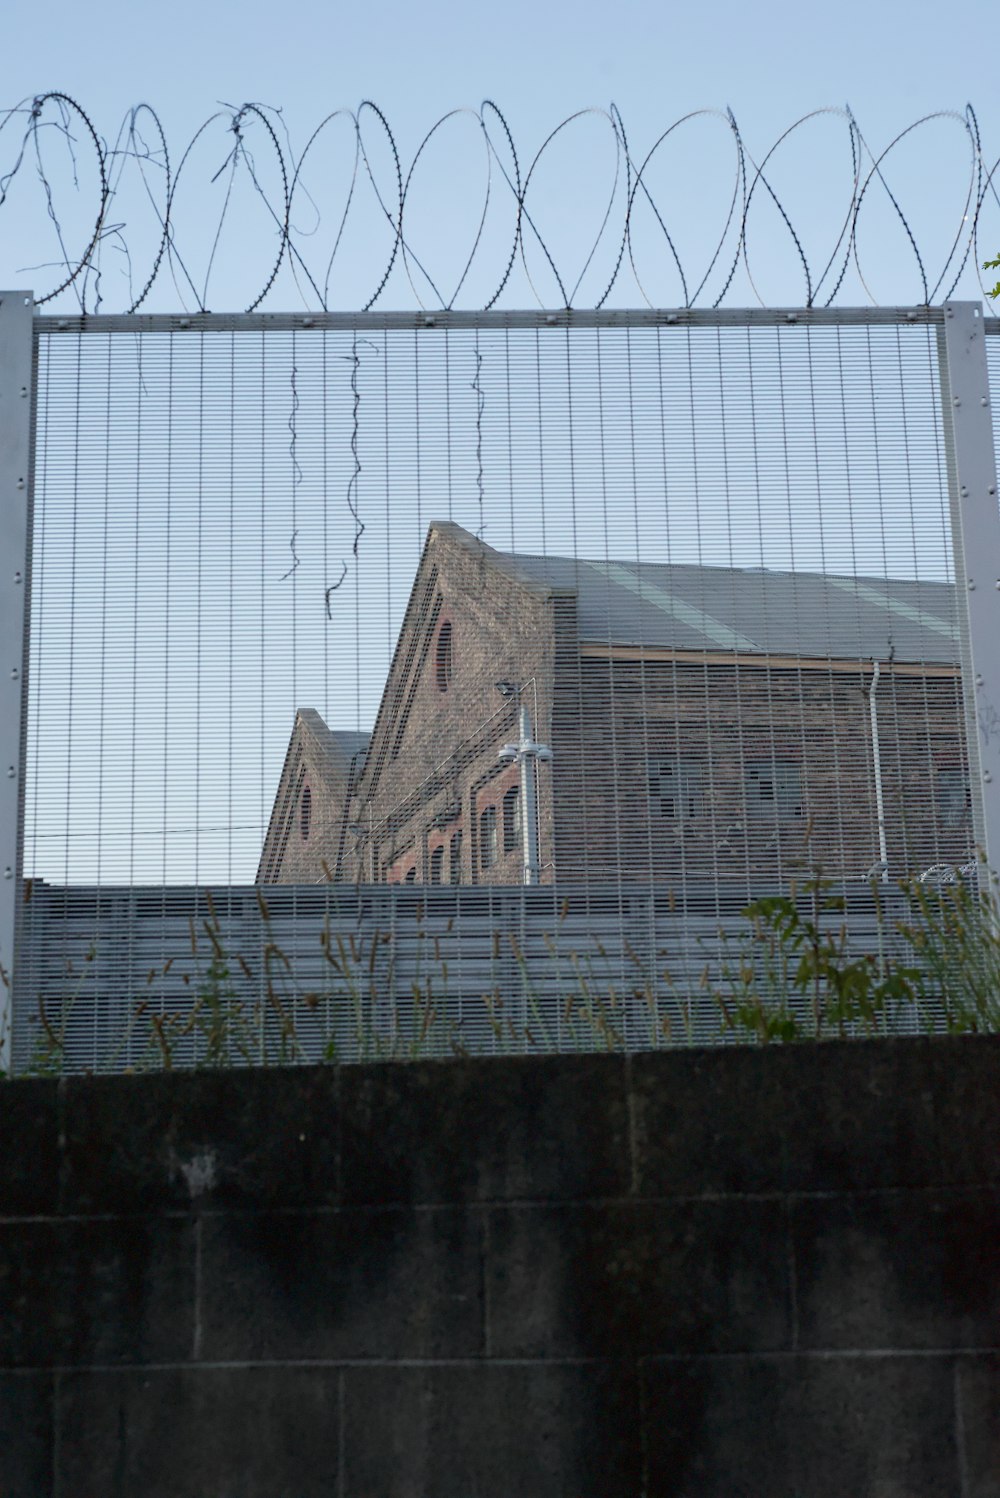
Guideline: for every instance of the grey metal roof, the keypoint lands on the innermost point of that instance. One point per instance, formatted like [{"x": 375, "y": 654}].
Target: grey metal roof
[
  {"x": 754, "y": 610},
  {"x": 332, "y": 749},
  {"x": 348, "y": 742}
]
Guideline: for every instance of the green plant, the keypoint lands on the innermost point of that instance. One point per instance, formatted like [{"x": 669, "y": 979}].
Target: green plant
[
  {"x": 954, "y": 935},
  {"x": 50, "y": 1042},
  {"x": 794, "y": 974},
  {"x": 791, "y": 973},
  {"x": 993, "y": 265},
  {"x": 5, "y": 1023}
]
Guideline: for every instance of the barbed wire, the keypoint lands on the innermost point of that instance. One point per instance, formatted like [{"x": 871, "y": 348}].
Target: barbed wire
[{"x": 259, "y": 166}]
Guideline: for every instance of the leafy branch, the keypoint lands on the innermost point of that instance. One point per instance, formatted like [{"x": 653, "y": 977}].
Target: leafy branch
[{"x": 993, "y": 265}]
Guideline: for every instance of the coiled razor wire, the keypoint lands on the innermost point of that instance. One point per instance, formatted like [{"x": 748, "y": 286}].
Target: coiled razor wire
[{"x": 259, "y": 161}]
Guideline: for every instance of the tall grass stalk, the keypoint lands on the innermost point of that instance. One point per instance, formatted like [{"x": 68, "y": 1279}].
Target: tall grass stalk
[{"x": 789, "y": 974}]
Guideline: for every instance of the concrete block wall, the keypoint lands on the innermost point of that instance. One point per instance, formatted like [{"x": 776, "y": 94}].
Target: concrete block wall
[{"x": 728, "y": 1272}]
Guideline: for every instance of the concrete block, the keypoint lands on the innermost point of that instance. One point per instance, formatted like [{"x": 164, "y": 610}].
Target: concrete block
[
  {"x": 966, "y": 1073},
  {"x": 898, "y": 1270},
  {"x": 978, "y": 1400},
  {"x": 366, "y": 1283},
  {"x": 486, "y": 1130},
  {"x": 840, "y": 1116},
  {"x": 532, "y": 1430},
  {"x": 627, "y": 1279},
  {"x": 26, "y": 1408},
  {"x": 99, "y": 1291},
  {"x": 30, "y": 1113},
  {"x": 265, "y": 1137},
  {"x": 200, "y": 1433},
  {"x": 792, "y": 1427}
]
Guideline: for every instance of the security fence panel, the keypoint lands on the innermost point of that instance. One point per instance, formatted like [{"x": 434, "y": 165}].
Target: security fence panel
[
  {"x": 420, "y": 684},
  {"x": 16, "y": 386},
  {"x": 364, "y": 973}
]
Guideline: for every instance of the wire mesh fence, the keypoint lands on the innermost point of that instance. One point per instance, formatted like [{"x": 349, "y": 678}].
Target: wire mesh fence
[
  {"x": 655, "y": 613},
  {"x": 134, "y": 977}
]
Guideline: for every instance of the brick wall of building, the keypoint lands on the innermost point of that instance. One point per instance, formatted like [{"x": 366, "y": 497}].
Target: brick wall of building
[
  {"x": 616, "y": 721},
  {"x": 438, "y": 764},
  {"x": 772, "y": 760},
  {"x": 306, "y": 837}
]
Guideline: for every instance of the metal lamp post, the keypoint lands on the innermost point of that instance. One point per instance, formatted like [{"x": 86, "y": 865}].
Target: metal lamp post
[{"x": 526, "y": 753}]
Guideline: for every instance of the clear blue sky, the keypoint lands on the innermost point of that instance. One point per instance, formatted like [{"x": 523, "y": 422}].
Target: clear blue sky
[
  {"x": 540, "y": 62},
  {"x": 771, "y": 61}
]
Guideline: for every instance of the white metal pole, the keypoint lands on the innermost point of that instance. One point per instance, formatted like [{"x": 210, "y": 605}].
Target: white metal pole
[
  {"x": 975, "y": 529},
  {"x": 877, "y": 766},
  {"x": 529, "y": 801},
  {"x": 16, "y": 404}
]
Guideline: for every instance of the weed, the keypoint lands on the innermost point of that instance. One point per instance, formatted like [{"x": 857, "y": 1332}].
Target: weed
[{"x": 790, "y": 973}]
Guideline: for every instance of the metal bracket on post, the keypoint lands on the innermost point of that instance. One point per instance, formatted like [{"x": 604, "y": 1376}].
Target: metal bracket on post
[
  {"x": 16, "y": 415},
  {"x": 975, "y": 527}
]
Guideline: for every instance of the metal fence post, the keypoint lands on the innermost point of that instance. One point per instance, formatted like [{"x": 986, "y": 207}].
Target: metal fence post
[
  {"x": 975, "y": 528},
  {"x": 16, "y": 413}
]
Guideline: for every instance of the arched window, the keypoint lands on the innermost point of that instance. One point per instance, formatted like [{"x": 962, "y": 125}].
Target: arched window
[
  {"x": 443, "y": 657},
  {"x": 411, "y": 875},
  {"x": 455, "y": 868},
  {"x": 512, "y": 819},
  {"x": 305, "y": 812},
  {"x": 437, "y": 864},
  {"x": 488, "y": 837}
]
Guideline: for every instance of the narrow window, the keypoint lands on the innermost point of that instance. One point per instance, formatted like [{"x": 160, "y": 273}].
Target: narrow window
[
  {"x": 774, "y": 789},
  {"x": 305, "y": 812},
  {"x": 455, "y": 869},
  {"x": 411, "y": 875},
  {"x": 953, "y": 794},
  {"x": 437, "y": 864},
  {"x": 443, "y": 657},
  {"x": 512, "y": 819},
  {"x": 488, "y": 837},
  {"x": 675, "y": 789}
]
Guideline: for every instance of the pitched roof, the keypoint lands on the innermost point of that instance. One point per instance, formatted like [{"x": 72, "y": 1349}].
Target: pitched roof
[
  {"x": 753, "y": 610},
  {"x": 331, "y": 749},
  {"x": 348, "y": 742}
]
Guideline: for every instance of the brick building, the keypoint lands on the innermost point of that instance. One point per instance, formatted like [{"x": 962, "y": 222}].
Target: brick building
[
  {"x": 307, "y": 834},
  {"x": 705, "y": 723}
]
